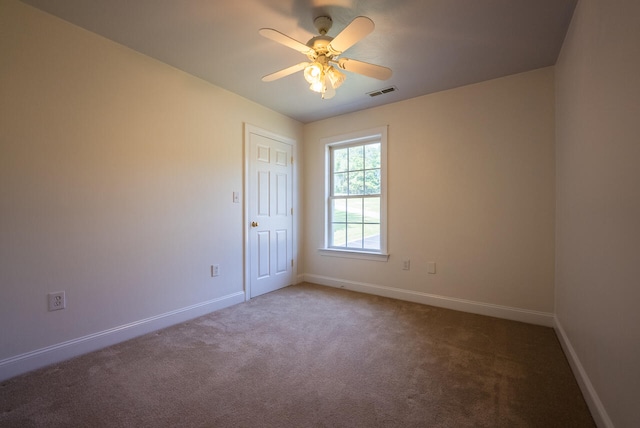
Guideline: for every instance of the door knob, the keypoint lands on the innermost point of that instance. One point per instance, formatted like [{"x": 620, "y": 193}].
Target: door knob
[{"x": 254, "y": 224}]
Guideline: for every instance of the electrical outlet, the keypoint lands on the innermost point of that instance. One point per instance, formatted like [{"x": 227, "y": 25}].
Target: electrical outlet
[
  {"x": 57, "y": 301},
  {"x": 215, "y": 270},
  {"x": 406, "y": 264}
]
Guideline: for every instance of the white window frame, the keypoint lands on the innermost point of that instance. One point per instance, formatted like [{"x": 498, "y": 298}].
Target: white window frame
[{"x": 350, "y": 139}]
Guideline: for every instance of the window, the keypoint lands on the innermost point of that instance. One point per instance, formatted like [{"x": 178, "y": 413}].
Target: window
[{"x": 356, "y": 195}]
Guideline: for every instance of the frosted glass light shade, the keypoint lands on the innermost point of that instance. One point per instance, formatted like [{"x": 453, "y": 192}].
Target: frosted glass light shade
[
  {"x": 313, "y": 73},
  {"x": 335, "y": 77},
  {"x": 317, "y": 86}
]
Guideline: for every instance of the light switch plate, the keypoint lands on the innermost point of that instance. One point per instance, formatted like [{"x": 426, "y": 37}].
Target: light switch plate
[{"x": 431, "y": 267}]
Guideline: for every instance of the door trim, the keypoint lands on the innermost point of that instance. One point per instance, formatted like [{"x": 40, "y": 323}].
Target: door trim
[{"x": 248, "y": 130}]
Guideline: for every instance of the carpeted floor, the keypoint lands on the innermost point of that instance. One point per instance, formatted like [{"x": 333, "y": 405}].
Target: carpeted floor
[{"x": 312, "y": 356}]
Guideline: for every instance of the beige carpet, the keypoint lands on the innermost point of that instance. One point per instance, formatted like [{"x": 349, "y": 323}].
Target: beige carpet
[{"x": 312, "y": 356}]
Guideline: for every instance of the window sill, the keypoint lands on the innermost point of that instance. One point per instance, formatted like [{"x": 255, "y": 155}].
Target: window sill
[{"x": 349, "y": 254}]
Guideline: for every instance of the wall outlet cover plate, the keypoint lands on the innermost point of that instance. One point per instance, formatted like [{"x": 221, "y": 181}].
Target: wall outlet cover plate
[{"x": 57, "y": 301}]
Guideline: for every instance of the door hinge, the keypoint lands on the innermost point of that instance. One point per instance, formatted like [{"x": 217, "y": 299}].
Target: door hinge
[
  {"x": 291, "y": 211},
  {"x": 291, "y": 160},
  {"x": 291, "y": 262}
]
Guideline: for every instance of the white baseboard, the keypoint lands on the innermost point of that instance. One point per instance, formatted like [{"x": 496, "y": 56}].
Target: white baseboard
[
  {"x": 498, "y": 311},
  {"x": 596, "y": 407},
  {"x": 26, "y": 362}
]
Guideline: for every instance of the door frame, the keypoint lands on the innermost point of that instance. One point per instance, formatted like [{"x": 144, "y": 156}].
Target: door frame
[{"x": 248, "y": 130}]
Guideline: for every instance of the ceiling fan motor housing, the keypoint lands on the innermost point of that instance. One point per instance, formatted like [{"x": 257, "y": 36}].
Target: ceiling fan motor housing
[{"x": 320, "y": 44}]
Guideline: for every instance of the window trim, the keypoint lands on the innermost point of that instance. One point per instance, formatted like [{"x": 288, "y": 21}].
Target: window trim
[{"x": 351, "y": 139}]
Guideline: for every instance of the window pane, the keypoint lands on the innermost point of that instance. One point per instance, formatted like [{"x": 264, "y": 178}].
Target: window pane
[
  {"x": 372, "y": 210},
  {"x": 372, "y": 182},
  {"x": 356, "y": 183},
  {"x": 372, "y": 156},
  {"x": 354, "y": 210},
  {"x": 339, "y": 210},
  {"x": 354, "y": 235},
  {"x": 338, "y": 234},
  {"x": 340, "y": 160},
  {"x": 340, "y": 184},
  {"x": 372, "y": 236},
  {"x": 356, "y": 158}
]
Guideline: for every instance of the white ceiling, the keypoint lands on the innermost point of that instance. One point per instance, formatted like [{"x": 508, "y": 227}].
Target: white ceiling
[{"x": 431, "y": 45}]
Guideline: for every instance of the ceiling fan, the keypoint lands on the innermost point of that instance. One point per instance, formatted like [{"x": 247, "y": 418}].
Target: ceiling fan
[{"x": 324, "y": 53}]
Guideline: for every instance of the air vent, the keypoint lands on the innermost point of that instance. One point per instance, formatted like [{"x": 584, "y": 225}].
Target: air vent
[{"x": 382, "y": 91}]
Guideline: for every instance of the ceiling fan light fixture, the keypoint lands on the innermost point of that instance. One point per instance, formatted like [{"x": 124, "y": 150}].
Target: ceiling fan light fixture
[
  {"x": 317, "y": 86},
  {"x": 313, "y": 73},
  {"x": 335, "y": 77}
]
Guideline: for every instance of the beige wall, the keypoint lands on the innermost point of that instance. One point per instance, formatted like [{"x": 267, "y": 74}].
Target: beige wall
[
  {"x": 116, "y": 181},
  {"x": 598, "y": 205},
  {"x": 471, "y": 187},
  {"x": 116, "y": 174}
]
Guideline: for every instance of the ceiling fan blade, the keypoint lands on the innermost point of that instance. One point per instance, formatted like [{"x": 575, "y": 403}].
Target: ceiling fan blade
[
  {"x": 283, "y": 39},
  {"x": 371, "y": 70},
  {"x": 282, "y": 73},
  {"x": 352, "y": 33}
]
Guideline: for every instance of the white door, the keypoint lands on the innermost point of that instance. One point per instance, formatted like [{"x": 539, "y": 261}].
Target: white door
[{"x": 269, "y": 211}]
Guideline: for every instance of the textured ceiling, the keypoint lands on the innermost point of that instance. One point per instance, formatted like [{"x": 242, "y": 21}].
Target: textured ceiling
[{"x": 431, "y": 45}]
